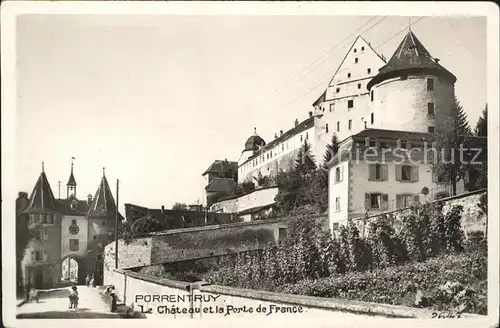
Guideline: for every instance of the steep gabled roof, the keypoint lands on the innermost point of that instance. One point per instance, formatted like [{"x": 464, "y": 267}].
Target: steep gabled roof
[
  {"x": 411, "y": 56},
  {"x": 219, "y": 166},
  {"x": 42, "y": 199},
  {"x": 103, "y": 204}
]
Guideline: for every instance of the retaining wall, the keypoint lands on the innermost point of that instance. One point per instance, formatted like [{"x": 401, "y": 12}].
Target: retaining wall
[{"x": 134, "y": 289}]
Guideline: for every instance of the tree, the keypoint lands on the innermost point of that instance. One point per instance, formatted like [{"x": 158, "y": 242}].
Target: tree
[
  {"x": 179, "y": 207},
  {"x": 454, "y": 132},
  {"x": 331, "y": 149},
  {"x": 482, "y": 124},
  {"x": 460, "y": 116},
  {"x": 305, "y": 163}
]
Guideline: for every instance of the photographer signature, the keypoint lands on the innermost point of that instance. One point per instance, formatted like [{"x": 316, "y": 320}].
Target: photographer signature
[{"x": 446, "y": 315}]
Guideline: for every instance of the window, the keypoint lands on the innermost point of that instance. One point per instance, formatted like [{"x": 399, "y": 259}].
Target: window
[
  {"x": 404, "y": 77},
  {"x": 338, "y": 175},
  {"x": 307, "y": 135},
  {"x": 38, "y": 256},
  {"x": 350, "y": 124},
  {"x": 95, "y": 237},
  {"x": 376, "y": 201},
  {"x": 430, "y": 108},
  {"x": 338, "y": 126},
  {"x": 431, "y": 129},
  {"x": 332, "y": 107},
  {"x": 362, "y": 48},
  {"x": 104, "y": 223},
  {"x": 377, "y": 172},
  {"x": 404, "y": 144},
  {"x": 350, "y": 103},
  {"x": 372, "y": 119},
  {"x": 337, "y": 203},
  {"x": 282, "y": 147},
  {"x": 73, "y": 221},
  {"x": 355, "y": 49},
  {"x": 335, "y": 226},
  {"x": 359, "y": 85},
  {"x": 98, "y": 257},
  {"x": 403, "y": 201},
  {"x": 369, "y": 70},
  {"x": 281, "y": 233},
  {"x": 371, "y": 95},
  {"x": 356, "y": 60},
  {"x": 39, "y": 234},
  {"x": 430, "y": 84},
  {"x": 348, "y": 75},
  {"x": 300, "y": 138},
  {"x": 326, "y": 127},
  {"x": 337, "y": 90},
  {"x": 370, "y": 142},
  {"x": 407, "y": 173},
  {"x": 383, "y": 145},
  {"x": 73, "y": 245}
]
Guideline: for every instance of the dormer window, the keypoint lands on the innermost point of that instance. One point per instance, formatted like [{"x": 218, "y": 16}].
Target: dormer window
[{"x": 73, "y": 205}]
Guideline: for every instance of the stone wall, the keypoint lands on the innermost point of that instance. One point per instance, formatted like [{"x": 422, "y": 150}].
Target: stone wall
[
  {"x": 473, "y": 219},
  {"x": 134, "y": 290},
  {"x": 197, "y": 243},
  {"x": 135, "y": 254},
  {"x": 256, "y": 198},
  {"x": 214, "y": 241}
]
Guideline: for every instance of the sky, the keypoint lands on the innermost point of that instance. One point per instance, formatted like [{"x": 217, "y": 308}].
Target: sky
[{"x": 156, "y": 99}]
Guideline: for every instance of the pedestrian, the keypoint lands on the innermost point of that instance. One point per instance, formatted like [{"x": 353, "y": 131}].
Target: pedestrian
[
  {"x": 92, "y": 282},
  {"x": 87, "y": 280},
  {"x": 73, "y": 298}
]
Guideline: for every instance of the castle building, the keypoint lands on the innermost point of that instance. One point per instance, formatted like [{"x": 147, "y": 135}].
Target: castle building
[
  {"x": 221, "y": 178},
  {"x": 261, "y": 159},
  {"x": 389, "y": 163},
  {"x": 69, "y": 234}
]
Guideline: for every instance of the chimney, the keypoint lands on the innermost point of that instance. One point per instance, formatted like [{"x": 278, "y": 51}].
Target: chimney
[
  {"x": 296, "y": 122},
  {"x": 310, "y": 114},
  {"x": 275, "y": 136},
  {"x": 162, "y": 209},
  {"x": 281, "y": 133},
  {"x": 436, "y": 60},
  {"x": 89, "y": 199}
]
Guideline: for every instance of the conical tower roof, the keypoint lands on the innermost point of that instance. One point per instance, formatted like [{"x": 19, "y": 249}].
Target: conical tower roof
[
  {"x": 42, "y": 199},
  {"x": 103, "y": 204},
  {"x": 411, "y": 57},
  {"x": 71, "y": 180}
]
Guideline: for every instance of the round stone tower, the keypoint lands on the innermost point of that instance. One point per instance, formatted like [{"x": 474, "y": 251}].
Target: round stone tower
[{"x": 412, "y": 92}]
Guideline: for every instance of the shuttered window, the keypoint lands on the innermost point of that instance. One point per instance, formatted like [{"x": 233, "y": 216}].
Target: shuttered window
[
  {"x": 407, "y": 173},
  {"x": 376, "y": 201},
  {"x": 377, "y": 172},
  {"x": 407, "y": 200},
  {"x": 73, "y": 244},
  {"x": 337, "y": 203}
]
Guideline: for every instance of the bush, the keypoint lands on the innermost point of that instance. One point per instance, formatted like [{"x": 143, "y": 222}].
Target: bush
[{"x": 399, "y": 284}]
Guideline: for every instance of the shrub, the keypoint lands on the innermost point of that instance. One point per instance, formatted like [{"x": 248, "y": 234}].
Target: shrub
[{"x": 399, "y": 284}]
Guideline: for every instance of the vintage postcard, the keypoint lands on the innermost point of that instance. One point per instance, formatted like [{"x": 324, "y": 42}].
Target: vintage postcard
[{"x": 250, "y": 163}]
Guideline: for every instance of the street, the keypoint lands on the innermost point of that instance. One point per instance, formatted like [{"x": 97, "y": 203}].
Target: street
[{"x": 54, "y": 303}]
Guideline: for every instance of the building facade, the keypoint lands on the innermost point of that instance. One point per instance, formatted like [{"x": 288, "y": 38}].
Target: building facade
[
  {"x": 388, "y": 163},
  {"x": 261, "y": 159},
  {"x": 66, "y": 232}
]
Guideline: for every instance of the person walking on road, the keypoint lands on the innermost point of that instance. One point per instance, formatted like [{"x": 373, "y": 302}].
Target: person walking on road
[{"x": 73, "y": 298}]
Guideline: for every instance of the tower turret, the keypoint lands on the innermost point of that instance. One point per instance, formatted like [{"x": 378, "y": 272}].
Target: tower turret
[
  {"x": 71, "y": 185},
  {"x": 253, "y": 143},
  {"x": 412, "y": 92}
]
